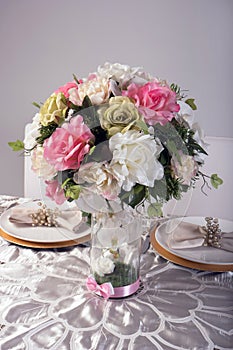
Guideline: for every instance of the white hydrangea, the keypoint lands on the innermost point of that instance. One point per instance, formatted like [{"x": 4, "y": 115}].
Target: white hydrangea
[{"x": 123, "y": 74}]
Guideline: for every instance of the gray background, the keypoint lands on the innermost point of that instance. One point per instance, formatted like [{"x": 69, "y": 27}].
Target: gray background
[{"x": 44, "y": 42}]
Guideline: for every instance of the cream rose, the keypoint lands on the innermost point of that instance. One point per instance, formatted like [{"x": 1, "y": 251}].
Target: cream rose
[
  {"x": 96, "y": 89},
  {"x": 185, "y": 168},
  {"x": 101, "y": 178},
  {"x": 53, "y": 110},
  {"x": 135, "y": 159},
  {"x": 40, "y": 166},
  {"x": 119, "y": 116}
]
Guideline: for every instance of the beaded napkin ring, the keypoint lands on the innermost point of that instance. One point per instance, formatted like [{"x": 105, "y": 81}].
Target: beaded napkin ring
[
  {"x": 44, "y": 216},
  {"x": 213, "y": 233}
]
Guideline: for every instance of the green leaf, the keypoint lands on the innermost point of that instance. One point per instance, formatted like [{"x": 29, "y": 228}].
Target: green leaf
[
  {"x": 159, "y": 190},
  {"x": 92, "y": 150},
  {"x": 66, "y": 182},
  {"x": 142, "y": 125},
  {"x": 36, "y": 104},
  {"x": 17, "y": 145},
  {"x": 86, "y": 102},
  {"x": 135, "y": 196},
  {"x": 46, "y": 132},
  {"x": 174, "y": 87},
  {"x": 76, "y": 79},
  {"x": 171, "y": 146},
  {"x": 155, "y": 209},
  {"x": 73, "y": 191},
  {"x": 215, "y": 181},
  {"x": 190, "y": 102}
]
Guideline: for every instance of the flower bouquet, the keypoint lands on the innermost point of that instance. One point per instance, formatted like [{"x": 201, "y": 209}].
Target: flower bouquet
[
  {"x": 117, "y": 139},
  {"x": 117, "y": 135}
]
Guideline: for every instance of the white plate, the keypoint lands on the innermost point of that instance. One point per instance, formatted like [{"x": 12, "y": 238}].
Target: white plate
[
  {"x": 204, "y": 255},
  {"x": 40, "y": 234}
]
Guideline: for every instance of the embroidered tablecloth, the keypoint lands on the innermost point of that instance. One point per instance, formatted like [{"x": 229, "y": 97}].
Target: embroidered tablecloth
[{"x": 44, "y": 304}]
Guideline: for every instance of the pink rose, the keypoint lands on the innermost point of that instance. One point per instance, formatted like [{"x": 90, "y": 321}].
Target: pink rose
[
  {"x": 157, "y": 103},
  {"x": 67, "y": 146},
  {"x": 65, "y": 88},
  {"x": 55, "y": 192}
]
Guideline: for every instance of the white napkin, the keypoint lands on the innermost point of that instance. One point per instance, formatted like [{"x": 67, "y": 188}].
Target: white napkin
[
  {"x": 69, "y": 219},
  {"x": 187, "y": 235}
]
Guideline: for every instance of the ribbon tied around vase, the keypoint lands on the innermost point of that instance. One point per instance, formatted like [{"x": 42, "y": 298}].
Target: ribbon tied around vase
[
  {"x": 188, "y": 235},
  {"x": 105, "y": 290}
]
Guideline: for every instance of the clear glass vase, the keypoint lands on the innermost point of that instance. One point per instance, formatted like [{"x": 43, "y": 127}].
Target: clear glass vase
[{"x": 115, "y": 251}]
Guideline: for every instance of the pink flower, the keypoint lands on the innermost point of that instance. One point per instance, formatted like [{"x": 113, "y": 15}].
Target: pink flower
[
  {"x": 156, "y": 102},
  {"x": 65, "y": 88},
  {"x": 55, "y": 192},
  {"x": 67, "y": 146}
]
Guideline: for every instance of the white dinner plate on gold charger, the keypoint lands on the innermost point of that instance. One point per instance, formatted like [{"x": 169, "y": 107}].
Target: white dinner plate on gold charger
[
  {"x": 202, "y": 258},
  {"x": 40, "y": 236}
]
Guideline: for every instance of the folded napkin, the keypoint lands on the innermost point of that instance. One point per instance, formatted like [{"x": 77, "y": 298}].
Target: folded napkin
[
  {"x": 187, "y": 235},
  {"x": 68, "y": 219}
]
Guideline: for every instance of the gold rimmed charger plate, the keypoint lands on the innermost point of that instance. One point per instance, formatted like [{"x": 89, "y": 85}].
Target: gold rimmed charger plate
[
  {"x": 185, "y": 262},
  {"x": 42, "y": 245}
]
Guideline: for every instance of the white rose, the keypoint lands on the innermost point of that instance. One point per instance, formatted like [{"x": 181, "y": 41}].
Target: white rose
[
  {"x": 199, "y": 137},
  {"x": 103, "y": 265},
  {"x": 186, "y": 113},
  {"x": 40, "y": 165},
  {"x": 100, "y": 177},
  {"x": 123, "y": 74},
  {"x": 96, "y": 89},
  {"x": 135, "y": 159},
  {"x": 184, "y": 168},
  {"x": 32, "y": 132}
]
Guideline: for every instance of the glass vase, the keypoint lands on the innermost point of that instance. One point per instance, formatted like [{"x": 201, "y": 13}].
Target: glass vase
[{"x": 115, "y": 251}]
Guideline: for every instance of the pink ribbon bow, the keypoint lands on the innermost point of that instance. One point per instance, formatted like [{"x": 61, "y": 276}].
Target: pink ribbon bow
[{"x": 105, "y": 290}]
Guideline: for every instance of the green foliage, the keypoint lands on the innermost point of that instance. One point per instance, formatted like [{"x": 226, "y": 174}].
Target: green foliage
[
  {"x": 190, "y": 102},
  {"x": 17, "y": 145},
  {"x": 155, "y": 209},
  {"x": 159, "y": 191},
  {"x": 215, "y": 180},
  {"x": 123, "y": 275},
  {"x": 169, "y": 135},
  {"x": 142, "y": 126},
  {"x": 46, "y": 132},
  {"x": 175, "y": 88},
  {"x": 36, "y": 104},
  {"x": 190, "y": 146},
  {"x": 88, "y": 217},
  {"x": 135, "y": 196},
  {"x": 75, "y": 79},
  {"x": 71, "y": 189},
  {"x": 171, "y": 146}
]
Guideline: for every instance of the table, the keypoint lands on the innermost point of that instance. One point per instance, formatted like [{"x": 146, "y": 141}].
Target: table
[{"x": 44, "y": 304}]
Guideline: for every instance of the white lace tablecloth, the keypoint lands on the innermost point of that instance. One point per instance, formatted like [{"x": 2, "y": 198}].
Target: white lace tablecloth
[{"x": 44, "y": 304}]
